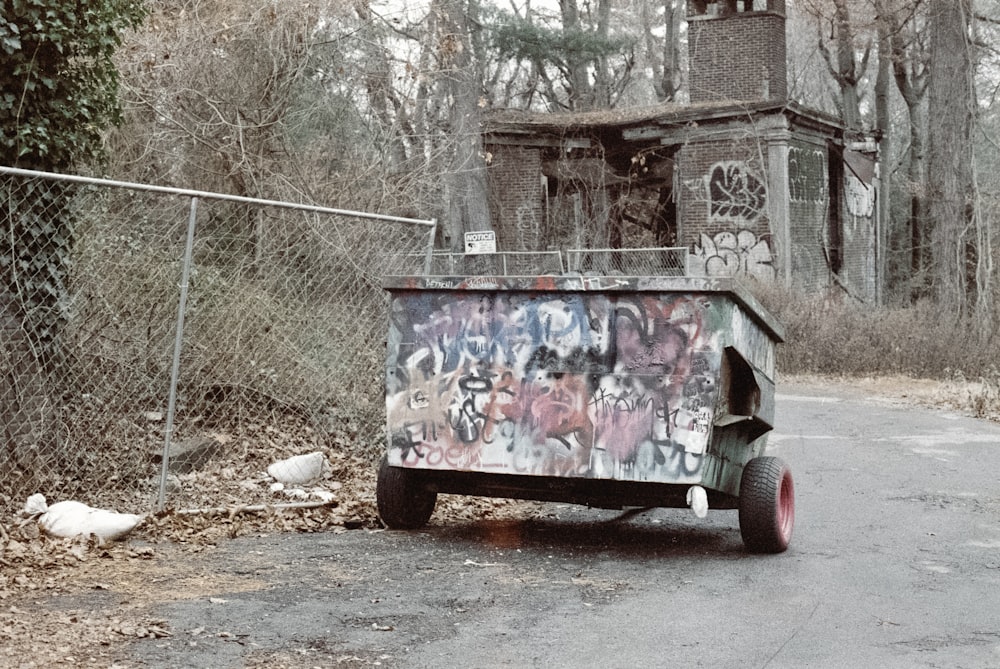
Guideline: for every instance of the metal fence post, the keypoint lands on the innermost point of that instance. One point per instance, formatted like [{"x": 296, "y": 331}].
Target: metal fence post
[
  {"x": 429, "y": 254},
  {"x": 178, "y": 346}
]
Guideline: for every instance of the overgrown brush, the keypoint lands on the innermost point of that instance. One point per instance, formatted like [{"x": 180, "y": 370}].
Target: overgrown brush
[{"x": 833, "y": 335}]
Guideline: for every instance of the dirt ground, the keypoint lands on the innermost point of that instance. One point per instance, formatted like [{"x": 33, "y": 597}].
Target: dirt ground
[{"x": 154, "y": 563}]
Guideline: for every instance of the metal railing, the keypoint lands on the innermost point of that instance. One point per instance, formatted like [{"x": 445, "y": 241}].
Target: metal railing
[
  {"x": 665, "y": 261},
  {"x": 668, "y": 261},
  {"x": 502, "y": 263}
]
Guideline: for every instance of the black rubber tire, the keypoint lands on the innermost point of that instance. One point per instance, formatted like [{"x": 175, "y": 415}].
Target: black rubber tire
[
  {"x": 403, "y": 502},
  {"x": 767, "y": 505}
]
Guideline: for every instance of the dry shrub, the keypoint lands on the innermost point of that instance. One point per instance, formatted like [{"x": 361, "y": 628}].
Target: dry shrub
[
  {"x": 979, "y": 394},
  {"x": 830, "y": 334}
]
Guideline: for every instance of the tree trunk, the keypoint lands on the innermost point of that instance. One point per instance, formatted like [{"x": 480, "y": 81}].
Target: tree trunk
[
  {"x": 909, "y": 56},
  {"x": 581, "y": 93},
  {"x": 984, "y": 313},
  {"x": 949, "y": 159},
  {"x": 843, "y": 65},
  {"x": 916, "y": 175},
  {"x": 468, "y": 204},
  {"x": 846, "y": 73},
  {"x": 883, "y": 83},
  {"x": 378, "y": 85},
  {"x": 669, "y": 81},
  {"x": 601, "y": 91}
]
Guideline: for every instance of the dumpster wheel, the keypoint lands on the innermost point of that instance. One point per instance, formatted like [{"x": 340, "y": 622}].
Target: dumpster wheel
[
  {"x": 403, "y": 503},
  {"x": 767, "y": 505}
]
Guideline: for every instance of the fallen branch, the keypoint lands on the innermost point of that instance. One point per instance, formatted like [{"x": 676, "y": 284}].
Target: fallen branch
[{"x": 252, "y": 508}]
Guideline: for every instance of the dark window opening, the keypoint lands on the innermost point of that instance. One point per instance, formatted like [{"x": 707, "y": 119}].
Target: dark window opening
[
  {"x": 834, "y": 235},
  {"x": 650, "y": 202}
]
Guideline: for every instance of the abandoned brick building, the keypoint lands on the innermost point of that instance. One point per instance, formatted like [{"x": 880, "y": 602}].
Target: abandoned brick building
[{"x": 748, "y": 181}]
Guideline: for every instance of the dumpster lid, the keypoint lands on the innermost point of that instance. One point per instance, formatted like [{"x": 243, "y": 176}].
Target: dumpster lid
[{"x": 595, "y": 284}]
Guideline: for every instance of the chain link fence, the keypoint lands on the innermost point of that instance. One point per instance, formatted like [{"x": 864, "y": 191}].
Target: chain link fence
[
  {"x": 661, "y": 261},
  {"x": 224, "y": 333},
  {"x": 666, "y": 261},
  {"x": 502, "y": 263},
  {"x": 171, "y": 348}
]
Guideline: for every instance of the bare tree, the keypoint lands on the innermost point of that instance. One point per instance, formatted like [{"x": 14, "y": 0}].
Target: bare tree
[
  {"x": 883, "y": 86},
  {"x": 902, "y": 58},
  {"x": 664, "y": 54},
  {"x": 846, "y": 46},
  {"x": 950, "y": 181},
  {"x": 466, "y": 180},
  {"x": 213, "y": 95},
  {"x": 904, "y": 27}
]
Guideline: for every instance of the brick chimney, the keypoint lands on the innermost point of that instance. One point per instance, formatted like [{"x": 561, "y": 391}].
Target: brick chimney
[{"x": 737, "y": 50}]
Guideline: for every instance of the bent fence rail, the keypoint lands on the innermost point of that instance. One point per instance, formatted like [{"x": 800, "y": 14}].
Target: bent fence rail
[{"x": 141, "y": 321}]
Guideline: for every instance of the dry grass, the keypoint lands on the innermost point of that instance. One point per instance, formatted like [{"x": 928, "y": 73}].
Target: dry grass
[{"x": 838, "y": 338}]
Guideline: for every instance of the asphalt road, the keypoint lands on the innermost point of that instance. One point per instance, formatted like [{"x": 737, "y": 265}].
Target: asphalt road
[{"x": 894, "y": 563}]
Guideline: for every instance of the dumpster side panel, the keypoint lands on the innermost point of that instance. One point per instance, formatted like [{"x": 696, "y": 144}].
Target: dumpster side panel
[
  {"x": 753, "y": 342},
  {"x": 572, "y": 384},
  {"x": 757, "y": 348},
  {"x": 745, "y": 411}
]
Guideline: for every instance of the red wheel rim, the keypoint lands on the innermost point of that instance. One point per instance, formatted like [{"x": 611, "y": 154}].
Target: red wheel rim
[{"x": 786, "y": 507}]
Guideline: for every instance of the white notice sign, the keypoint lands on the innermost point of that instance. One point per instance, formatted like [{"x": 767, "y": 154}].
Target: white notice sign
[{"x": 480, "y": 242}]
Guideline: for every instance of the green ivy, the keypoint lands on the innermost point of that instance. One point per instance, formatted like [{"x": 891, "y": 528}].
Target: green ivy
[
  {"x": 58, "y": 93},
  {"x": 59, "y": 84}
]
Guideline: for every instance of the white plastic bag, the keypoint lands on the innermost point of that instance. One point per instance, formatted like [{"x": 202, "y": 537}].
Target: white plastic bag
[
  {"x": 299, "y": 469},
  {"x": 71, "y": 519}
]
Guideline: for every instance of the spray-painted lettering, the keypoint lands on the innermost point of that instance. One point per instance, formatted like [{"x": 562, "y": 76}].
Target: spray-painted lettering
[
  {"x": 737, "y": 201},
  {"x": 570, "y": 385},
  {"x": 807, "y": 175}
]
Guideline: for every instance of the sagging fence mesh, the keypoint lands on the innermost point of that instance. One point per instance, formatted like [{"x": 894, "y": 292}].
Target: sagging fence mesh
[{"x": 281, "y": 351}]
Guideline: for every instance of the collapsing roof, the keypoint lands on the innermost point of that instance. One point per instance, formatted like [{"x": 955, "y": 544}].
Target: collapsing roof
[
  {"x": 663, "y": 115},
  {"x": 759, "y": 186}
]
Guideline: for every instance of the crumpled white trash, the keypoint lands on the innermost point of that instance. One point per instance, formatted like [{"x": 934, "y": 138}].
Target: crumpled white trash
[
  {"x": 299, "y": 469},
  {"x": 72, "y": 519},
  {"x": 697, "y": 499}
]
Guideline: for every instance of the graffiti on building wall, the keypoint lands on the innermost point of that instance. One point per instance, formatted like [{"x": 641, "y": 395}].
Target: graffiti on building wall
[
  {"x": 527, "y": 227},
  {"x": 737, "y": 208},
  {"x": 807, "y": 175},
  {"x": 735, "y": 193},
  {"x": 860, "y": 197},
  {"x": 736, "y": 254},
  {"x": 859, "y": 236},
  {"x": 574, "y": 385}
]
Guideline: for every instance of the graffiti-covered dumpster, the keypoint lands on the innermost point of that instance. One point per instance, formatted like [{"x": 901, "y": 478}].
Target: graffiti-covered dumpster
[{"x": 606, "y": 391}]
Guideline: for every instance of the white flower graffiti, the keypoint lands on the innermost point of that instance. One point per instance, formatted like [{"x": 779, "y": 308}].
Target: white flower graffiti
[{"x": 737, "y": 198}]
